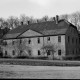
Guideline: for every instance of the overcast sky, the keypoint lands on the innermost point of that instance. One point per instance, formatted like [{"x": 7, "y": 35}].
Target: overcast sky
[{"x": 37, "y": 8}]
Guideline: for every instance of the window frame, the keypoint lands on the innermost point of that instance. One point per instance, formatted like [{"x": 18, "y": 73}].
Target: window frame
[
  {"x": 48, "y": 38},
  {"x": 59, "y": 52},
  {"x": 20, "y": 41},
  {"x": 13, "y": 52},
  {"x": 29, "y": 41},
  {"x": 59, "y": 38},
  {"x": 38, "y": 40},
  {"x": 6, "y": 43},
  {"x": 13, "y": 42},
  {"x": 72, "y": 40},
  {"x": 39, "y": 53},
  {"x": 6, "y": 53}
]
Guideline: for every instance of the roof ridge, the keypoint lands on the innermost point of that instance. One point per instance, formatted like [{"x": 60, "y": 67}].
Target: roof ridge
[{"x": 48, "y": 25}]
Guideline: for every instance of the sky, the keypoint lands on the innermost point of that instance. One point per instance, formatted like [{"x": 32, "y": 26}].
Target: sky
[{"x": 38, "y": 8}]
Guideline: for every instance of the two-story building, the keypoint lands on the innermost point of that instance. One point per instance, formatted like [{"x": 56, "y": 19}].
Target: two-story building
[{"x": 59, "y": 37}]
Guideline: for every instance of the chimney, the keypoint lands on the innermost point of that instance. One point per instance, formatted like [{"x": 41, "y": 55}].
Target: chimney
[
  {"x": 37, "y": 21},
  {"x": 45, "y": 19},
  {"x": 22, "y": 23},
  {"x": 57, "y": 19},
  {"x": 28, "y": 22},
  {"x": 54, "y": 19}
]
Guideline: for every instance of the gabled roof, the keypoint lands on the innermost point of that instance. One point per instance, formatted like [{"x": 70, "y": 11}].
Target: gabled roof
[
  {"x": 54, "y": 32},
  {"x": 46, "y": 28}
]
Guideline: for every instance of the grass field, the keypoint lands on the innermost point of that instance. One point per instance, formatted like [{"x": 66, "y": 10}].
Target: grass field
[
  {"x": 39, "y": 72},
  {"x": 39, "y": 69}
]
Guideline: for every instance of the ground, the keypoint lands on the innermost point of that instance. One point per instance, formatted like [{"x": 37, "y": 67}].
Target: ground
[{"x": 39, "y": 72}]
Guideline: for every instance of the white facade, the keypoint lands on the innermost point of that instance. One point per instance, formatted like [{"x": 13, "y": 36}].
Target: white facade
[
  {"x": 36, "y": 44},
  {"x": 57, "y": 45}
]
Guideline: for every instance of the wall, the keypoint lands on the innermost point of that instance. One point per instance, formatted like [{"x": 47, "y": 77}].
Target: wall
[
  {"x": 9, "y": 48},
  {"x": 57, "y": 45},
  {"x": 72, "y": 48},
  {"x": 30, "y": 33},
  {"x": 34, "y": 46}
]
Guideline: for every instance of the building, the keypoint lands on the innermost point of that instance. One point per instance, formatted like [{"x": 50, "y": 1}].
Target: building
[
  {"x": 79, "y": 42},
  {"x": 56, "y": 39}
]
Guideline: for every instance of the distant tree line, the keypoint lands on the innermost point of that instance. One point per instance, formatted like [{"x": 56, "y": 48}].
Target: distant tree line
[
  {"x": 74, "y": 18},
  {"x": 13, "y": 22}
]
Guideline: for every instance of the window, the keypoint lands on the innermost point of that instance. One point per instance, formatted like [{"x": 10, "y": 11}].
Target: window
[
  {"x": 68, "y": 39},
  {"x": 29, "y": 52},
  {"x": 20, "y": 41},
  {"x": 76, "y": 41},
  {"x": 73, "y": 51},
  {"x": 59, "y": 38},
  {"x": 5, "y": 53},
  {"x": 5, "y": 43},
  {"x": 12, "y": 42},
  {"x": 48, "y": 52},
  {"x": 13, "y": 52},
  {"x": 72, "y": 40},
  {"x": 48, "y": 38},
  {"x": 79, "y": 49},
  {"x": 76, "y": 51},
  {"x": 59, "y": 52},
  {"x": 21, "y": 51},
  {"x": 38, "y": 40},
  {"x": 29, "y": 41},
  {"x": 38, "y": 52},
  {"x": 79, "y": 40}
]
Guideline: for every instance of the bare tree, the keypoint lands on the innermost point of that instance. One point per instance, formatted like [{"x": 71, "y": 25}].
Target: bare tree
[
  {"x": 48, "y": 50},
  {"x": 24, "y": 18},
  {"x": 66, "y": 17},
  {"x": 74, "y": 19},
  {"x": 22, "y": 49},
  {"x": 13, "y": 22},
  {"x": 1, "y": 22},
  {"x": 45, "y": 18}
]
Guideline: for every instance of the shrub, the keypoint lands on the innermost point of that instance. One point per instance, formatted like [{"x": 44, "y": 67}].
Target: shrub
[
  {"x": 6, "y": 57},
  {"x": 43, "y": 58}
]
